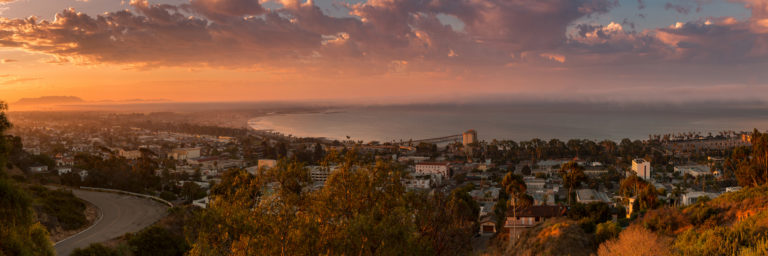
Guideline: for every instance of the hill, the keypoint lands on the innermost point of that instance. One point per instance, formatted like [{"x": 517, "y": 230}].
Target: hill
[
  {"x": 48, "y": 100},
  {"x": 734, "y": 223}
]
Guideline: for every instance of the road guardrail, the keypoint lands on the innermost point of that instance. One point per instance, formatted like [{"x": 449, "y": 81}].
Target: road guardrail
[{"x": 163, "y": 201}]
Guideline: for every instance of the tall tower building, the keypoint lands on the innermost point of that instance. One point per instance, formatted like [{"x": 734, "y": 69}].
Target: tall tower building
[{"x": 469, "y": 137}]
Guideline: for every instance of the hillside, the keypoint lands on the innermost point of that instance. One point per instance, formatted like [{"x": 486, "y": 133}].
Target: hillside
[
  {"x": 732, "y": 224},
  {"x": 48, "y": 100}
]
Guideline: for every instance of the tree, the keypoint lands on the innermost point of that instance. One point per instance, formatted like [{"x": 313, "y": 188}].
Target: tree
[
  {"x": 636, "y": 240},
  {"x": 751, "y": 166},
  {"x": 20, "y": 233},
  {"x": 362, "y": 209},
  {"x": 644, "y": 192},
  {"x": 606, "y": 230},
  {"x": 94, "y": 249},
  {"x": 572, "y": 175},
  {"x": 526, "y": 170},
  {"x": 157, "y": 241}
]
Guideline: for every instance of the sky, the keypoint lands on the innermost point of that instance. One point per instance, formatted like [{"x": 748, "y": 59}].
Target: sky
[{"x": 385, "y": 51}]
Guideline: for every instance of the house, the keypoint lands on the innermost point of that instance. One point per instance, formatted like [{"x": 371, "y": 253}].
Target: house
[
  {"x": 130, "y": 154},
  {"x": 419, "y": 182},
  {"x": 586, "y": 196},
  {"x": 65, "y": 161},
  {"x": 522, "y": 219},
  {"x": 267, "y": 163},
  {"x": 63, "y": 170},
  {"x": 487, "y": 225},
  {"x": 202, "y": 202},
  {"x": 41, "y": 168},
  {"x": 534, "y": 183},
  {"x": 321, "y": 173},
  {"x": 693, "y": 170},
  {"x": 693, "y": 196},
  {"x": 184, "y": 153},
  {"x": 83, "y": 174},
  {"x": 595, "y": 171},
  {"x": 440, "y": 169}
]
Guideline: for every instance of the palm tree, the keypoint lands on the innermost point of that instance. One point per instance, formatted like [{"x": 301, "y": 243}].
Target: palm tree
[{"x": 572, "y": 175}]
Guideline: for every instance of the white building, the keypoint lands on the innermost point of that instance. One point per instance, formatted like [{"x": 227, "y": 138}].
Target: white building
[
  {"x": 421, "y": 182},
  {"x": 439, "y": 169},
  {"x": 184, "y": 153},
  {"x": 63, "y": 170},
  {"x": 321, "y": 173},
  {"x": 586, "y": 196},
  {"x": 693, "y": 170},
  {"x": 641, "y": 168},
  {"x": 692, "y": 197},
  {"x": 41, "y": 168},
  {"x": 202, "y": 202}
]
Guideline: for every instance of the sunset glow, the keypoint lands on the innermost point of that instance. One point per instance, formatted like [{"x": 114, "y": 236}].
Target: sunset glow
[{"x": 384, "y": 50}]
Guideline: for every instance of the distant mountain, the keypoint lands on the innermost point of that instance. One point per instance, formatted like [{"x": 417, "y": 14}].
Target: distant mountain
[{"x": 49, "y": 100}]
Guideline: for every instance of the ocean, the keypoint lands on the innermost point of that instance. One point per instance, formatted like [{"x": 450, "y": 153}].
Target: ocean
[{"x": 518, "y": 121}]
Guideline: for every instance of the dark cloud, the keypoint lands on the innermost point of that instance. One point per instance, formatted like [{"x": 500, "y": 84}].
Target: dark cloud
[
  {"x": 640, "y": 4},
  {"x": 381, "y": 35},
  {"x": 677, "y": 8},
  {"x": 220, "y": 10}
]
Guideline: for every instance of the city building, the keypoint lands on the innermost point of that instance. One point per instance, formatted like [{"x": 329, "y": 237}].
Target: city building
[
  {"x": 267, "y": 163},
  {"x": 440, "y": 169},
  {"x": 184, "y": 153},
  {"x": 63, "y": 170},
  {"x": 694, "y": 196},
  {"x": 469, "y": 137},
  {"x": 202, "y": 202},
  {"x": 487, "y": 225},
  {"x": 129, "y": 154},
  {"x": 321, "y": 173},
  {"x": 41, "y": 168},
  {"x": 642, "y": 168},
  {"x": 693, "y": 170},
  {"x": 586, "y": 196},
  {"x": 518, "y": 221}
]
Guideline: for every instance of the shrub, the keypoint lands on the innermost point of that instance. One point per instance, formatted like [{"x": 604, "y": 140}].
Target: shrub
[
  {"x": 94, "y": 250},
  {"x": 636, "y": 240},
  {"x": 606, "y": 230},
  {"x": 157, "y": 241}
]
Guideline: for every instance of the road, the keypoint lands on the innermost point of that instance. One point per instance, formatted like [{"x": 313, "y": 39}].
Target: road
[{"x": 119, "y": 214}]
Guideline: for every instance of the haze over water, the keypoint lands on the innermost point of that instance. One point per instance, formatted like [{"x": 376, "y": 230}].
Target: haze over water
[{"x": 521, "y": 121}]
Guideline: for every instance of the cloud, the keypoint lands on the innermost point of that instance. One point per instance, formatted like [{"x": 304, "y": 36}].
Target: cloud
[
  {"x": 221, "y": 10},
  {"x": 8, "y": 61},
  {"x": 233, "y": 33},
  {"x": 381, "y": 36},
  {"x": 677, "y": 8},
  {"x": 17, "y": 80}
]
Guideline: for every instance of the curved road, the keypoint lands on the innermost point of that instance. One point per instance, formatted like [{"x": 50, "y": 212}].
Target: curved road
[{"x": 120, "y": 214}]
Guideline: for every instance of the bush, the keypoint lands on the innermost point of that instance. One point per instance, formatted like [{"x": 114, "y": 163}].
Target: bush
[
  {"x": 168, "y": 195},
  {"x": 636, "y": 240},
  {"x": 94, "y": 250},
  {"x": 666, "y": 220},
  {"x": 61, "y": 204},
  {"x": 606, "y": 230},
  {"x": 157, "y": 241}
]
